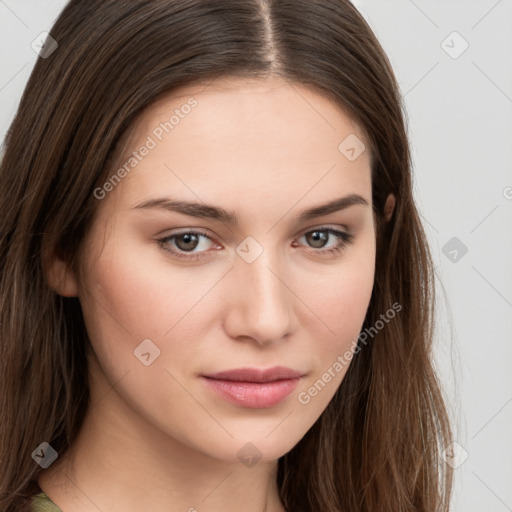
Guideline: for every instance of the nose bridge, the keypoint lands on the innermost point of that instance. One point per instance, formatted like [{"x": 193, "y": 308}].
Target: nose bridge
[{"x": 263, "y": 306}]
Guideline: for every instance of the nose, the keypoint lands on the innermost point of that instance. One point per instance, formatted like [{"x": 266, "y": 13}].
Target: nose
[{"x": 260, "y": 305}]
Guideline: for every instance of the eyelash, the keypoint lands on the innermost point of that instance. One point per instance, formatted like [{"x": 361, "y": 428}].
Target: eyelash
[{"x": 344, "y": 238}]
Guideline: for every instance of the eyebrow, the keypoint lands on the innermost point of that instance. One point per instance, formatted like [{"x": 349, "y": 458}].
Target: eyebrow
[{"x": 206, "y": 211}]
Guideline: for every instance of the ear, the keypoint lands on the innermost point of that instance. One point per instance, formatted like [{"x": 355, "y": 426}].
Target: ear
[
  {"x": 389, "y": 207},
  {"x": 59, "y": 275}
]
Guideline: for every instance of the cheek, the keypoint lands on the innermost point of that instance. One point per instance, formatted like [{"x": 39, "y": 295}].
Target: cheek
[
  {"x": 134, "y": 294},
  {"x": 339, "y": 297},
  {"x": 339, "y": 304},
  {"x": 138, "y": 290}
]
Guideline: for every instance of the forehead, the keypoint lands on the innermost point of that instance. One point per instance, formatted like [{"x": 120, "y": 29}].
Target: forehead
[
  {"x": 242, "y": 136},
  {"x": 270, "y": 98}
]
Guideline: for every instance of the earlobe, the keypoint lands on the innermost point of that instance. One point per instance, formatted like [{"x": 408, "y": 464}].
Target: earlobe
[
  {"x": 389, "y": 207},
  {"x": 60, "y": 276}
]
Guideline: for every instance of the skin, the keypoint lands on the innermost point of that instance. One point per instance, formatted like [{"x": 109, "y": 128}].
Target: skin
[{"x": 160, "y": 439}]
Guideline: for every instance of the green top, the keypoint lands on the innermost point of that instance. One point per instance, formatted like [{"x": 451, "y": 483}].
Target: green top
[{"x": 41, "y": 503}]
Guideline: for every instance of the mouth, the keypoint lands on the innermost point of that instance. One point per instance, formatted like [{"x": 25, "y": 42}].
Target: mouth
[{"x": 254, "y": 388}]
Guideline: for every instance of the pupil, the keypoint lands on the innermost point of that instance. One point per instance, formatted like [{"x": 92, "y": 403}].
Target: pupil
[
  {"x": 319, "y": 237},
  {"x": 187, "y": 238}
]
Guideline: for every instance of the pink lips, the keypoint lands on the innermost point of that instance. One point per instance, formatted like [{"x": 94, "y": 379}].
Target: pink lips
[{"x": 253, "y": 388}]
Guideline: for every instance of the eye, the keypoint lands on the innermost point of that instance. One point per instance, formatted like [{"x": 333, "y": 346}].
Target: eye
[
  {"x": 318, "y": 239},
  {"x": 184, "y": 244}
]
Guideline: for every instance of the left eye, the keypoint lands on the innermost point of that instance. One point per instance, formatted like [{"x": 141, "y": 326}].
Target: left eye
[
  {"x": 186, "y": 242},
  {"x": 319, "y": 236}
]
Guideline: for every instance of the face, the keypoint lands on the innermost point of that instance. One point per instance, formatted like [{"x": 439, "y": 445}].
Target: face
[{"x": 211, "y": 253}]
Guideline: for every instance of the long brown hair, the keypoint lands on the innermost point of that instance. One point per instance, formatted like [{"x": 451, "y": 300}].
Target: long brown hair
[{"x": 377, "y": 446}]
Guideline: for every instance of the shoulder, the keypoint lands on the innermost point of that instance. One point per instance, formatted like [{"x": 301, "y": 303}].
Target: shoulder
[{"x": 41, "y": 503}]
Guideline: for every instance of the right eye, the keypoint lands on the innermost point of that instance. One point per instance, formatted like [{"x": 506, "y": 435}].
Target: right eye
[{"x": 184, "y": 243}]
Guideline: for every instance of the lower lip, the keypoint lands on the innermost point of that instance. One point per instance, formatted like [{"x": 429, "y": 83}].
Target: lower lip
[{"x": 255, "y": 395}]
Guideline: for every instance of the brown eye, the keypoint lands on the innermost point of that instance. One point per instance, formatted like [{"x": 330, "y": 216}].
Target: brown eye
[
  {"x": 317, "y": 239},
  {"x": 187, "y": 241},
  {"x": 184, "y": 245}
]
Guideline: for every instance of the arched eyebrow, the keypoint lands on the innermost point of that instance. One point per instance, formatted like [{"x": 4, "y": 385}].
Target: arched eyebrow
[{"x": 208, "y": 211}]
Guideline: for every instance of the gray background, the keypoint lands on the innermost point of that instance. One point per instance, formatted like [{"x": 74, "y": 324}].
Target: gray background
[{"x": 459, "y": 107}]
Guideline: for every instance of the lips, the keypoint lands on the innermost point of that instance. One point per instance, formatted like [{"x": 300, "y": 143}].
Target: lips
[
  {"x": 254, "y": 388},
  {"x": 256, "y": 375}
]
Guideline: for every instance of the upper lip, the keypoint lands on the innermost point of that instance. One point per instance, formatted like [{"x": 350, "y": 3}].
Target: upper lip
[{"x": 256, "y": 375}]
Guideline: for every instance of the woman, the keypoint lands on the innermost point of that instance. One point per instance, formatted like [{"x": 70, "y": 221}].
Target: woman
[{"x": 216, "y": 290}]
